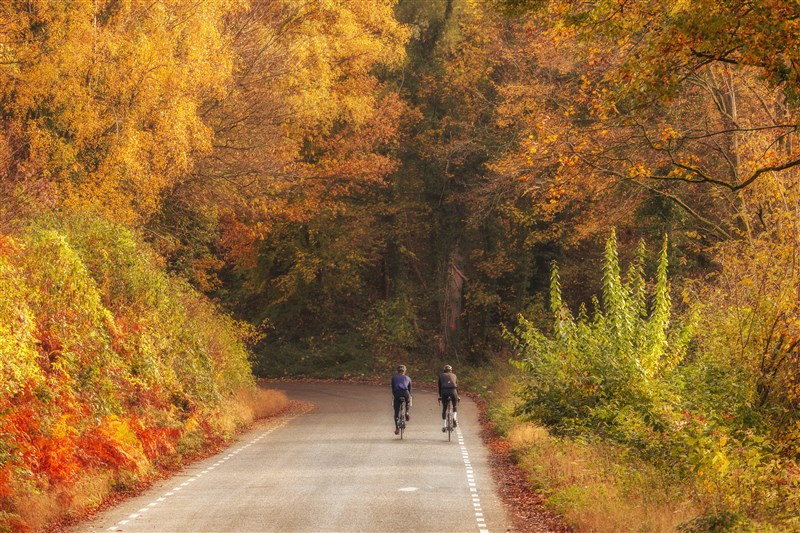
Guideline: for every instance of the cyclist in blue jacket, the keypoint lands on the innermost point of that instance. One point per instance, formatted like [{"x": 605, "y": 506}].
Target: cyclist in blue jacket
[{"x": 401, "y": 388}]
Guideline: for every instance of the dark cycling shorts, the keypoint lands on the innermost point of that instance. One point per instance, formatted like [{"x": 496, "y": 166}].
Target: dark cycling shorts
[
  {"x": 449, "y": 397},
  {"x": 397, "y": 396}
]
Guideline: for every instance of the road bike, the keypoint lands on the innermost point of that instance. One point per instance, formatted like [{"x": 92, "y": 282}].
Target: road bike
[
  {"x": 401, "y": 417},
  {"x": 449, "y": 425}
]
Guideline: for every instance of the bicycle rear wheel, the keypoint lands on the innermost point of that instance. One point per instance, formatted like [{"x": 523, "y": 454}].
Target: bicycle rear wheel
[
  {"x": 402, "y": 421},
  {"x": 449, "y": 422}
]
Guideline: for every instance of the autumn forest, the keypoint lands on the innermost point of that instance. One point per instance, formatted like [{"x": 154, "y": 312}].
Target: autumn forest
[{"x": 591, "y": 208}]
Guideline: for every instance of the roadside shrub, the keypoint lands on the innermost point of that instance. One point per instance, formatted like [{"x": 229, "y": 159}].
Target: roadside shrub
[
  {"x": 17, "y": 326},
  {"x": 740, "y": 431},
  {"x": 608, "y": 372},
  {"x": 109, "y": 368},
  {"x": 720, "y": 420}
]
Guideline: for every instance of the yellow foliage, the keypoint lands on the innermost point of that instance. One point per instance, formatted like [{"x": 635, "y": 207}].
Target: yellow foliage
[
  {"x": 107, "y": 94},
  {"x": 118, "y": 431},
  {"x": 333, "y": 50},
  {"x": 17, "y": 331}
]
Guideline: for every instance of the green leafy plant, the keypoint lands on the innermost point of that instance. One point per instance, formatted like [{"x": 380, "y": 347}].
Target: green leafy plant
[{"x": 606, "y": 371}]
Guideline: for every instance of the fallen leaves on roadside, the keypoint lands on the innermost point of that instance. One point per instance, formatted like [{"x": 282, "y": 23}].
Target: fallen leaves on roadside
[{"x": 525, "y": 507}]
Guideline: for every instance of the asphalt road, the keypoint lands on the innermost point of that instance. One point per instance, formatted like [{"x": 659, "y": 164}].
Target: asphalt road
[{"x": 338, "y": 468}]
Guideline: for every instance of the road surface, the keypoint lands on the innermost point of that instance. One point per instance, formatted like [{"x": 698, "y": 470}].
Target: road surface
[{"x": 338, "y": 468}]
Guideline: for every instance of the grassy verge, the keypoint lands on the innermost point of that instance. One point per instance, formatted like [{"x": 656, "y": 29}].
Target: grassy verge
[
  {"x": 597, "y": 485},
  {"x": 594, "y": 486}
]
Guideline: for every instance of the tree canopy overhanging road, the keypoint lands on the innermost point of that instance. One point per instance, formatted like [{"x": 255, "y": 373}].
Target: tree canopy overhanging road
[{"x": 338, "y": 468}]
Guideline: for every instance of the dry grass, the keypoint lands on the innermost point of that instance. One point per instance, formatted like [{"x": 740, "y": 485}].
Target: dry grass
[
  {"x": 254, "y": 404},
  {"x": 267, "y": 402},
  {"x": 247, "y": 406},
  {"x": 40, "y": 510},
  {"x": 90, "y": 492},
  {"x": 34, "y": 511},
  {"x": 595, "y": 489}
]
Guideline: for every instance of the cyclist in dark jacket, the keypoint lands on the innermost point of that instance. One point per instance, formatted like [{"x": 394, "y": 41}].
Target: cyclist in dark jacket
[
  {"x": 448, "y": 391},
  {"x": 401, "y": 388}
]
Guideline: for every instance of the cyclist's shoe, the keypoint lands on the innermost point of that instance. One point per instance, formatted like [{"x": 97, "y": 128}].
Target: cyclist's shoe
[
  {"x": 455, "y": 423},
  {"x": 396, "y": 431},
  {"x": 408, "y": 417},
  {"x": 444, "y": 429}
]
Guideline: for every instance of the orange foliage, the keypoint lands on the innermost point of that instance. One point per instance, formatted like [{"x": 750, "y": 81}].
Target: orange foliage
[
  {"x": 85, "y": 303},
  {"x": 5, "y": 481},
  {"x": 610, "y": 116},
  {"x": 239, "y": 240},
  {"x": 156, "y": 441},
  {"x": 7, "y": 245}
]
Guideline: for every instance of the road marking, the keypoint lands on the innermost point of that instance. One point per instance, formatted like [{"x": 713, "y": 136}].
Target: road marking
[
  {"x": 195, "y": 478},
  {"x": 120, "y": 523},
  {"x": 408, "y": 489},
  {"x": 476, "y": 501}
]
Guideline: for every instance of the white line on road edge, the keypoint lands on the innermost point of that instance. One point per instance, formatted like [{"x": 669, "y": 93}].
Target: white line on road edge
[
  {"x": 476, "y": 501},
  {"x": 192, "y": 479}
]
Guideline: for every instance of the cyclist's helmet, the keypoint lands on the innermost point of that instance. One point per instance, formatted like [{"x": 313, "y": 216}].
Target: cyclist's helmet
[
  {"x": 447, "y": 368},
  {"x": 401, "y": 368}
]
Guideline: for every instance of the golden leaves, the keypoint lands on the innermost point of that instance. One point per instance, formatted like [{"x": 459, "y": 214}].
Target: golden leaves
[{"x": 108, "y": 95}]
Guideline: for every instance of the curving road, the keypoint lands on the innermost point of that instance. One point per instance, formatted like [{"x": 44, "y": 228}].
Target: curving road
[{"x": 339, "y": 468}]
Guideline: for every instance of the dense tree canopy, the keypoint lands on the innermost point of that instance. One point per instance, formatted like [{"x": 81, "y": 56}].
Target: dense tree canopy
[{"x": 100, "y": 100}]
